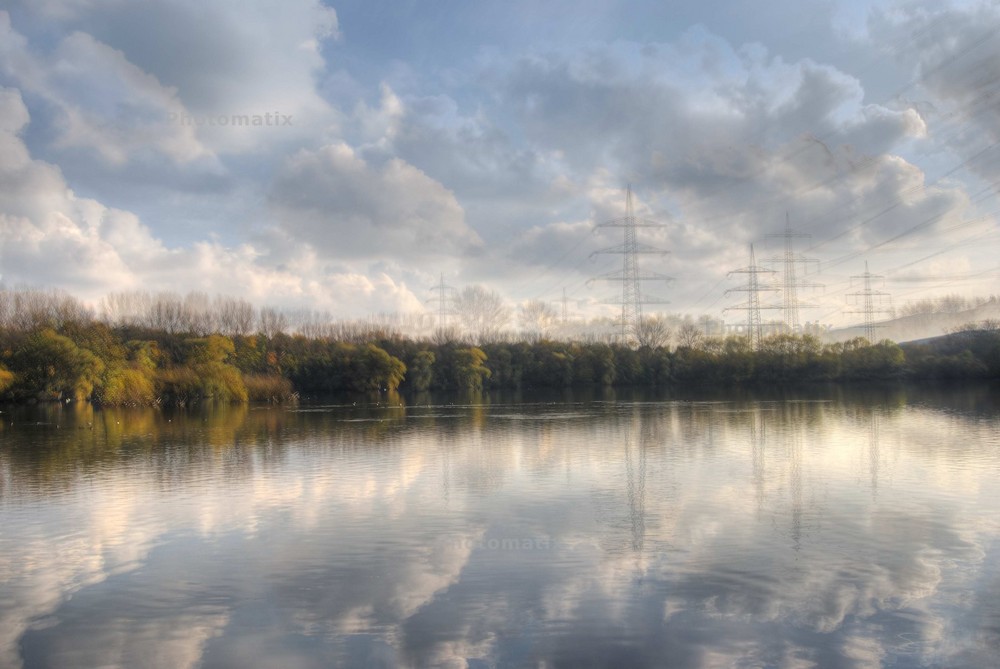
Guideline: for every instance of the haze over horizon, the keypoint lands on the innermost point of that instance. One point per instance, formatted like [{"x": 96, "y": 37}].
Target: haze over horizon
[{"x": 341, "y": 156}]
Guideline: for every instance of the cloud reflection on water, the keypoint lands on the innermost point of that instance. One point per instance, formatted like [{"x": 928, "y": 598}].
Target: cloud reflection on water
[{"x": 709, "y": 534}]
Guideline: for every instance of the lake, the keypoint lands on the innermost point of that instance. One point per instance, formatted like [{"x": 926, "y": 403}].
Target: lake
[{"x": 828, "y": 528}]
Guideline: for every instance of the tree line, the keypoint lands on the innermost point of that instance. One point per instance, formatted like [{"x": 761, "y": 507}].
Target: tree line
[{"x": 146, "y": 351}]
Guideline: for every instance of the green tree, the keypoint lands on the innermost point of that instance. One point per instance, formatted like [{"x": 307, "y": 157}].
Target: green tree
[
  {"x": 213, "y": 377},
  {"x": 6, "y": 379},
  {"x": 376, "y": 370},
  {"x": 131, "y": 382},
  {"x": 210, "y": 349},
  {"x": 482, "y": 313},
  {"x": 861, "y": 360},
  {"x": 421, "y": 371},
  {"x": 470, "y": 370},
  {"x": 49, "y": 366}
]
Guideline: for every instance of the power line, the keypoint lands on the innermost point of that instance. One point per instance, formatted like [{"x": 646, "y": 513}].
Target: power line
[
  {"x": 752, "y": 306},
  {"x": 900, "y": 200},
  {"x": 790, "y": 285},
  {"x": 821, "y": 139},
  {"x": 444, "y": 299},
  {"x": 869, "y": 296},
  {"x": 983, "y": 102},
  {"x": 630, "y": 275}
]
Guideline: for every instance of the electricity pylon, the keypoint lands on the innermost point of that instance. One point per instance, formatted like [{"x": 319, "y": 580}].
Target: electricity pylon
[
  {"x": 630, "y": 275},
  {"x": 874, "y": 458},
  {"x": 752, "y": 306},
  {"x": 790, "y": 285},
  {"x": 869, "y": 297},
  {"x": 635, "y": 484},
  {"x": 758, "y": 457},
  {"x": 445, "y": 297}
]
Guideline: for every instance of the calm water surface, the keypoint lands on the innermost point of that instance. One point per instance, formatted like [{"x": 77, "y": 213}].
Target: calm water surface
[{"x": 828, "y": 530}]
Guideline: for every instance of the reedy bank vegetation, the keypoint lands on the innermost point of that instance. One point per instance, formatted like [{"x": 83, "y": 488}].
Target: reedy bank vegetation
[{"x": 166, "y": 351}]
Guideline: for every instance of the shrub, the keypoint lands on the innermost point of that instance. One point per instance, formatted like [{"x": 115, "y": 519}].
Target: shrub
[
  {"x": 49, "y": 366},
  {"x": 6, "y": 379},
  {"x": 221, "y": 382},
  {"x": 269, "y": 388},
  {"x": 178, "y": 385},
  {"x": 421, "y": 371},
  {"x": 129, "y": 386}
]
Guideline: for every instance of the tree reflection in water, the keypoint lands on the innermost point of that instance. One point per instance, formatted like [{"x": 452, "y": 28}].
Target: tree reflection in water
[{"x": 821, "y": 529}]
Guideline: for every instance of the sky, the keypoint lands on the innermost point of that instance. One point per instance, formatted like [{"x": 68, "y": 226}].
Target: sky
[{"x": 344, "y": 156}]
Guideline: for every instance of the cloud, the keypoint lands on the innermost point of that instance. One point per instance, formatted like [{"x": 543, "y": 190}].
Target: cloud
[
  {"x": 346, "y": 208},
  {"x": 705, "y": 569},
  {"x": 126, "y": 80},
  {"x": 720, "y": 141},
  {"x": 691, "y": 116},
  {"x": 952, "y": 53},
  {"x": 42, "y": 220},
  {"x": 49, "y": 233},
  {"x": 63, "y": 582},
  {"x": 102, "y": 102},
  {"x": 474, "y": 154},
  {"x": 474, "y": 169},
  {"x": 267, "y": 61}
]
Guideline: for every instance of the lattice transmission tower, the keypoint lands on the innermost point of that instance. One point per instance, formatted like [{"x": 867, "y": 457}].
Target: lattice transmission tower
[
  {"x": 630, "y": 275},
  {"x": 871, "y": 301},
  {"x": 445, "y": 297},
  {"x": 752, "y": 306},
  {"x": 790, "y": 284}
]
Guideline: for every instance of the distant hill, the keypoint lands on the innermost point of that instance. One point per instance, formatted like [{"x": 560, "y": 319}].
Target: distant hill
[
  {"x": 951, "y": 342},
  {"x": 969, "y": 353},
  {"x": 921, "y": 326}
]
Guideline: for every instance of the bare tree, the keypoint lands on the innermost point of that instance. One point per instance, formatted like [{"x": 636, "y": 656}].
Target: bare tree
[
  {"x": 126, "y": 308},
  {"x": 195, "y": 312},
  {"x": 31, "y": 310},
  {"x": 6, "y": 308},
  {"x": 710, "y": 326},
  {"x": 689, "y": 335},
  {"x": 482, "y": 313},
  {"x": 373, "y": 328},
  {"x": 309, "y": 323},
  {"x": 28, "y": 308},
  {"x": 166, "y": 312},
  {"x": 235, "y": 316},
  {"x": 653, "y": 332},
  {"x": 943, "y": 304},
  {"x": 537, "y": 318},
  {"x": 67, "y": 308},
  {"x": 272, "y": 322},
  {"x": 446, "y": 335},
  {"x": 199, "y": 316},
  {"x": 987, "y": 325}
]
